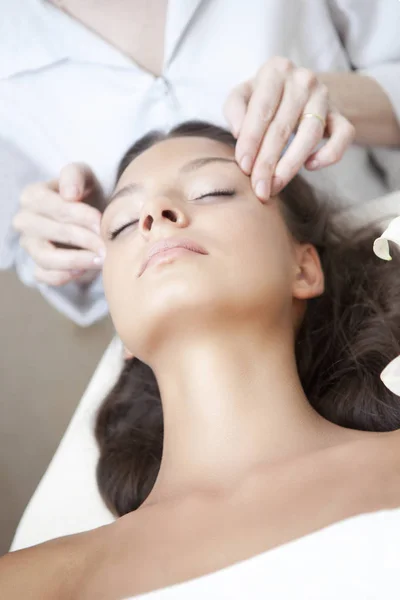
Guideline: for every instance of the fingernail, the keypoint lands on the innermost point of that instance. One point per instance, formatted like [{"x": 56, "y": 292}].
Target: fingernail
[
  {"x": 313, "y": 164},
  {"x": 99, "y": 259},
  {"x": 262, "y": 189},
  {"x": 277, "y": 185},
  {"x": 246, "y": 163},
  {"x": 69, "y": 192},
  {"x": 96, "y": 228}
]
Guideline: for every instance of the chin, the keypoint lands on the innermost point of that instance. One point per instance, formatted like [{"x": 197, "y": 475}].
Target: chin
[
  {"x": 176, "y": 311},
  {"x": 181, "y": 300}
]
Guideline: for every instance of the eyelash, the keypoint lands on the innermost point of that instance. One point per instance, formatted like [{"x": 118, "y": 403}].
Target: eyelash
[{"x": 115, "y": 233}]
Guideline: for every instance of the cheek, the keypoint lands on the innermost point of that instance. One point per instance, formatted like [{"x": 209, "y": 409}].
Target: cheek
[
  {"x": 118, "y": 281},
  {"x": 259, "y": 248}
]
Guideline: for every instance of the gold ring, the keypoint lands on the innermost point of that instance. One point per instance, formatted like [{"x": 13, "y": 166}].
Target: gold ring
[{"x": 306, "y": 115}]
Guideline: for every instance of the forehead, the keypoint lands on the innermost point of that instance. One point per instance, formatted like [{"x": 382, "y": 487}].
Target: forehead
[{"x": 170, "y": 155}]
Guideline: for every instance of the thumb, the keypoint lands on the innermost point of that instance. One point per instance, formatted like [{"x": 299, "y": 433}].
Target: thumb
[
  {"x": 76, "y": 179},
  {"x": 235, "y": 106}
]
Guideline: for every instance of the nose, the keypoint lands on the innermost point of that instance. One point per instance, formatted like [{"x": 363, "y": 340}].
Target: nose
[{"x": 159, "y": 210}]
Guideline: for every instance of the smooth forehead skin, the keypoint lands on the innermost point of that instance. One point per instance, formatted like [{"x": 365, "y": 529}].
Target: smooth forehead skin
[{"x": 165, "y": 158}]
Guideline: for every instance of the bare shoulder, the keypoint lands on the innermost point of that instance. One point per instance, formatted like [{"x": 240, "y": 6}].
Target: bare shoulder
[
  {"x": 365, "y": 466},
  {"x": 387, "y": 446},
  {"x": 373, "y": 463},
  {"x": 381, "y": 445},
  {"x": 49, "y": 570},
  {"x": 372, "y": 452},
  {"x": 175, "y": 541}
]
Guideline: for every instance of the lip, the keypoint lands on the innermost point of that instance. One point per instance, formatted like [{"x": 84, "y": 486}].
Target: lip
[{"x": 168, "y": 244}]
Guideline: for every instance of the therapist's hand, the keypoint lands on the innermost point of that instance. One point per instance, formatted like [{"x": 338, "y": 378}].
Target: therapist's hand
[
  {"x": 60, "y": 226},
  {"x": 264, "y": 112}
]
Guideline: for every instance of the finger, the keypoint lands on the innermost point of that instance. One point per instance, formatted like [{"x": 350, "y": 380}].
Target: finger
[
  {"x": 235, "y": 106},
  {"x": 309, "y": 134},
  {"x": 342, "y": 134},
  {"x": 38, "y": 226},
  {"x": 296, "y": 97},
  {"x": 48, "y": 257},
  {"x": 56, "y": 278},
  {"x": 38, "y": 198},
  {"x": 76, "y": 181},
  {"x": 261, "y": 110}
]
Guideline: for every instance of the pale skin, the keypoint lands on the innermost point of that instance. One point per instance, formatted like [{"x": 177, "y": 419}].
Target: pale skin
[
  {"x": 210, "y": 335},
  {"x": 247, "y": 463},
  {"x": 262, "y": 112}
]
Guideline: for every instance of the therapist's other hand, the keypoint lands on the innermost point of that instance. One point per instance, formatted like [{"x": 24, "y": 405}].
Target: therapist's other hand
[
  {"x": 60, "y": 226},
  {"x": 264, "y": 112}
]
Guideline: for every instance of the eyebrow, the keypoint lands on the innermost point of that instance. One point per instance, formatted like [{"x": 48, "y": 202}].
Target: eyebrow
[
  {"x": 193, "y": 165},
  {"x": 197, "y": 163},
  {"x": 125, "y": 191}
]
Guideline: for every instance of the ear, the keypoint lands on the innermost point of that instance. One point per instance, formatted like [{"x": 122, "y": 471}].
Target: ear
[{"x": 308, "y": 279}]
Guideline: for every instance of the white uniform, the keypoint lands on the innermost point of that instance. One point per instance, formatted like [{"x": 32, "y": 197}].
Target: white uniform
[{"x": 67, "y": 95}]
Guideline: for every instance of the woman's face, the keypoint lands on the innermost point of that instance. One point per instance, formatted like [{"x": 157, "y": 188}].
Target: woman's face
[{"x": 245, "y": 266}]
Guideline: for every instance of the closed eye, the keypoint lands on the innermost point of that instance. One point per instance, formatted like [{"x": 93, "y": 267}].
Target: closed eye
[
  {"x": 217, "y": 193},
  {"x": 115, "y": 233}
]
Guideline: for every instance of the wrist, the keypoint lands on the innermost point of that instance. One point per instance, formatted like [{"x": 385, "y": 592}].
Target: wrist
[{"x": 366, "y": 105}]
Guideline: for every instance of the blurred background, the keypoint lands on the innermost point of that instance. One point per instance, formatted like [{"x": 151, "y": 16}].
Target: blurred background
[{"x": 46, "y": 364}]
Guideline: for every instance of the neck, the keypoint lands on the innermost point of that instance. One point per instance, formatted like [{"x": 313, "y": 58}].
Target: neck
[{"x": 231, "y": 403}]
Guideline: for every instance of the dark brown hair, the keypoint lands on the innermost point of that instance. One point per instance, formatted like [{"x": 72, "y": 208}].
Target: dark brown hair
[{"x": 348, "y": 335}]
